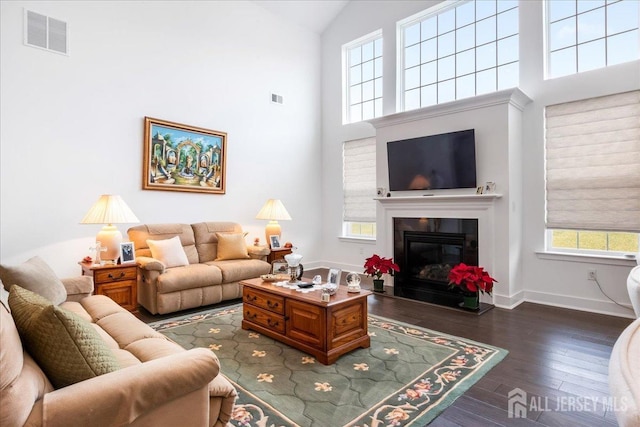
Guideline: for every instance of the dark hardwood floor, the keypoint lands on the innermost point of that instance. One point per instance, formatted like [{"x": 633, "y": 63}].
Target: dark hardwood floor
[{"x": 559, "y": 357}]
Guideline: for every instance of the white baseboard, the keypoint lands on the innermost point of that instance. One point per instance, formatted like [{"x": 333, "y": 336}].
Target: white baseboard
[
  {"x": 508, "y": 302},
  {"x": 582, "y": 304}
]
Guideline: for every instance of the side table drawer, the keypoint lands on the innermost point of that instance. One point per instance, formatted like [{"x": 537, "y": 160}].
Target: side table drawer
[
  {"x": 108, "y": 276},
  {"x": 263, "y": 300},
  {"x": 264, "y": 318}
]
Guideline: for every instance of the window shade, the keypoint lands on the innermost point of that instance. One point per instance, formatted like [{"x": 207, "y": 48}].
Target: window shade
[
  {"x": 359, "y": 180},
  {"x": 593, "y": 163}
]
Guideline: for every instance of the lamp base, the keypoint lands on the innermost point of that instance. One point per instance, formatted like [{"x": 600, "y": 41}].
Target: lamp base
[
  {"x": 272, "y": 229},
  {"x": 110, "y": 239}
]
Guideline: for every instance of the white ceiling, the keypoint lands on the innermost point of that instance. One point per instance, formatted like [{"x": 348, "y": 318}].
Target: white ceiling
[{"x": 314, "y": 15}]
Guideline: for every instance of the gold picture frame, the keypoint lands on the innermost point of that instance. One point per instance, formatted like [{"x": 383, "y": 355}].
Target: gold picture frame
[{"x": 179, "y": 157}]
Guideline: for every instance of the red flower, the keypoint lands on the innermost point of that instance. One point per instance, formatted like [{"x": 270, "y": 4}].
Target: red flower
[
  {"x": 471, "y": 278},
  {"x": 377, "y": 266}
]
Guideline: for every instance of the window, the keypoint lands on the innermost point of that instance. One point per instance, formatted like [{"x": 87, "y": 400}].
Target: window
[
  {"x": 594, "y": 241},
  {"x": 584, "y": 35},
  {"x": 362, "y": 61},
  {"x": 593, "y": 174},
  {"x": 359, "y": 186},
  {"x": 464, "y": 50}
]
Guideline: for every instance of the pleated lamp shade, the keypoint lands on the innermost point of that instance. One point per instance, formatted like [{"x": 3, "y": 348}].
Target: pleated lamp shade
[
  {"x": 274, "y": 211},
  {"x": 109, "y": 209}
]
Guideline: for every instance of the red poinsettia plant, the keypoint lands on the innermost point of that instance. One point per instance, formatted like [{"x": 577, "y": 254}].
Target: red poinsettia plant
[
  {"x": 471, "y": 279},
  {"x": 376, "y": 266}
]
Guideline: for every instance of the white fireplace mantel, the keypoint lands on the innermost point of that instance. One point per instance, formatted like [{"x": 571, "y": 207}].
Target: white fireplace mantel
[
  {"x": 429, "y": 199},
  {"x": 471, "y": 206}
]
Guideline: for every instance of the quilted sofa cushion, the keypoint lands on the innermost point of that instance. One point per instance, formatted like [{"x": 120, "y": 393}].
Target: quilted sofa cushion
[
  {"x": 188, "y": 277},
  {"x": 66, "y": 347}
]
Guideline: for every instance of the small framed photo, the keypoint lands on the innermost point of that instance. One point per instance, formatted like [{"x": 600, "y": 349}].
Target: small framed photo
[
  {"x": 127, "y": 253},
  {"x": 479, "y": 190},
  {"x": 490, "y": 187},
  {"x": 334, "y": 276},
  {"x": 274, "y": 241},
  {"x": 280, "y": 267}
]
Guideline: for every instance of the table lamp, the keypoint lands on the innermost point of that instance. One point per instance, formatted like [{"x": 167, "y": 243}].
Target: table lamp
[
  {"x": 273, "y": 211},
  {"x": 109, "y": 209}
]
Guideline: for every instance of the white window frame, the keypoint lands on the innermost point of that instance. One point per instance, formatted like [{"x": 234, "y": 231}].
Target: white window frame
[
  {"x": 418, "y": 17},
  {"x": 346, "y": 224},
  {"x": 547, "y": 36},
  {"x": 578, "y": 251},
  {"x": 346, "y": 94}
]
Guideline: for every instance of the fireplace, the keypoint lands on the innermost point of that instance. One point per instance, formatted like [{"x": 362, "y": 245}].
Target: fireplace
[{"x": 426, "y": 249}]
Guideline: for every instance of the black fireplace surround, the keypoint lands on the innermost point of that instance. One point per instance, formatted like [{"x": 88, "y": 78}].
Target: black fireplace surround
[{"x": 426, "y": 249}]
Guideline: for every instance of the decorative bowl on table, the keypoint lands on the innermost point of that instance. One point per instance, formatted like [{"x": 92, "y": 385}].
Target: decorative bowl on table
[{"x": 330, "y": 288}]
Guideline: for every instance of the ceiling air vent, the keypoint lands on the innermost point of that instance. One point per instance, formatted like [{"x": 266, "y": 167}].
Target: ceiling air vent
[{"x": 45, "y": 32}]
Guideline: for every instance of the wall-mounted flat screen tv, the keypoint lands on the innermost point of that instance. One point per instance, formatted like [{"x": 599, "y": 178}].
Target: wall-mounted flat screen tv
[{"x": 434, "y": 162}]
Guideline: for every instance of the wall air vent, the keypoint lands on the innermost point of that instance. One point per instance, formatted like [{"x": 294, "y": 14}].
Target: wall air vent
[
  {"x": 276, "y": 99},
  {"x": 46, "y": 33}
]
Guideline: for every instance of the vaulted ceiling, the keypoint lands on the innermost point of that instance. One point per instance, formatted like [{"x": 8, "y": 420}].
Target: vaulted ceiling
[{"x": 314, "y": 15}]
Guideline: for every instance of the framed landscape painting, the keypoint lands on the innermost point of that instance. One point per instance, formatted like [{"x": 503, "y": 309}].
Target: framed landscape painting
[{"x": 179, "y": 157}]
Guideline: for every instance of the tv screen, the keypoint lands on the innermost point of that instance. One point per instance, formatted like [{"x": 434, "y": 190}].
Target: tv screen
[{"x": 433, "y": 162}]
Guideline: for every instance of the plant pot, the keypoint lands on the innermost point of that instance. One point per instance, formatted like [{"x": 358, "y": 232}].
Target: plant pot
[
  {"x": 471, "y": 301},
  {"x": 378, "y": 285}
]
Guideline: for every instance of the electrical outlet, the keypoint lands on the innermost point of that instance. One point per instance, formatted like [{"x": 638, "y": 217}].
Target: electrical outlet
[
  {"x": 361, "y": 251},
  {"x": 592, "y": 275}
]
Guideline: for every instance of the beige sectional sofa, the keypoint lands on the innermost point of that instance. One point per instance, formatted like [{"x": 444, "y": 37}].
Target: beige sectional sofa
[
  {"x": 194, "y": 264},
  {"x": 154, "y": 383}
]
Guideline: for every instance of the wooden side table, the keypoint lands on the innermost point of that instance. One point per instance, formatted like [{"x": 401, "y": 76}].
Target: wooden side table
[
  {"x": 118, "y": 282},
  {"x": 276, "y": 254}
]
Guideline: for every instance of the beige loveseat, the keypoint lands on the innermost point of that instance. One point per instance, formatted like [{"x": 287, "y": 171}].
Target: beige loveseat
[
  {"x": 155, "y": 382},
  {"x": 205, "y": 268}
]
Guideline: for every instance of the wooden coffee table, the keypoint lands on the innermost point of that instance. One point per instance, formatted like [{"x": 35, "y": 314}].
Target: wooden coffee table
[{"x": 326, "y": 330}]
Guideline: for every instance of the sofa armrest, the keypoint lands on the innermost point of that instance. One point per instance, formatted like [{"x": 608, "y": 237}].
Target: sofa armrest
[
  {"x": 120, "y": 397},
  {"x": 78, "y": 287},
  {"x": 258, "y": 252},
  {"x": 150, "y": 264}
]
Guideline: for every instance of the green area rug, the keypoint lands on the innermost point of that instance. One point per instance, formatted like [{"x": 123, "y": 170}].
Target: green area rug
[{"x": 407, "y": 377}]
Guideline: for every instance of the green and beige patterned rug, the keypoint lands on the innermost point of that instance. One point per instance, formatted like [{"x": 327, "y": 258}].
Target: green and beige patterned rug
[{"x": 407, "y": 377}]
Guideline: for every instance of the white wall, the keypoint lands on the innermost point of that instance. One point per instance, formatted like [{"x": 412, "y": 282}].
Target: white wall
[
  {"x": 558, "y": 281},
  {"x": 71, "y": 127},
  {"x": 562, "y": 281},
  {"x": 348, "y": 26}
]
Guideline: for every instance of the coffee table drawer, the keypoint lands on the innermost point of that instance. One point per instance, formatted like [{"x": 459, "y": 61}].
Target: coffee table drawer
[
  {"x": 271, "y": 302},
  {"x": 264, "y": 318}
]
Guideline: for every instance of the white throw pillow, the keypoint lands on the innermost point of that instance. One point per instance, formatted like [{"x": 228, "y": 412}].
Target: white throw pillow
[{"x": 169, "y": 251}]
